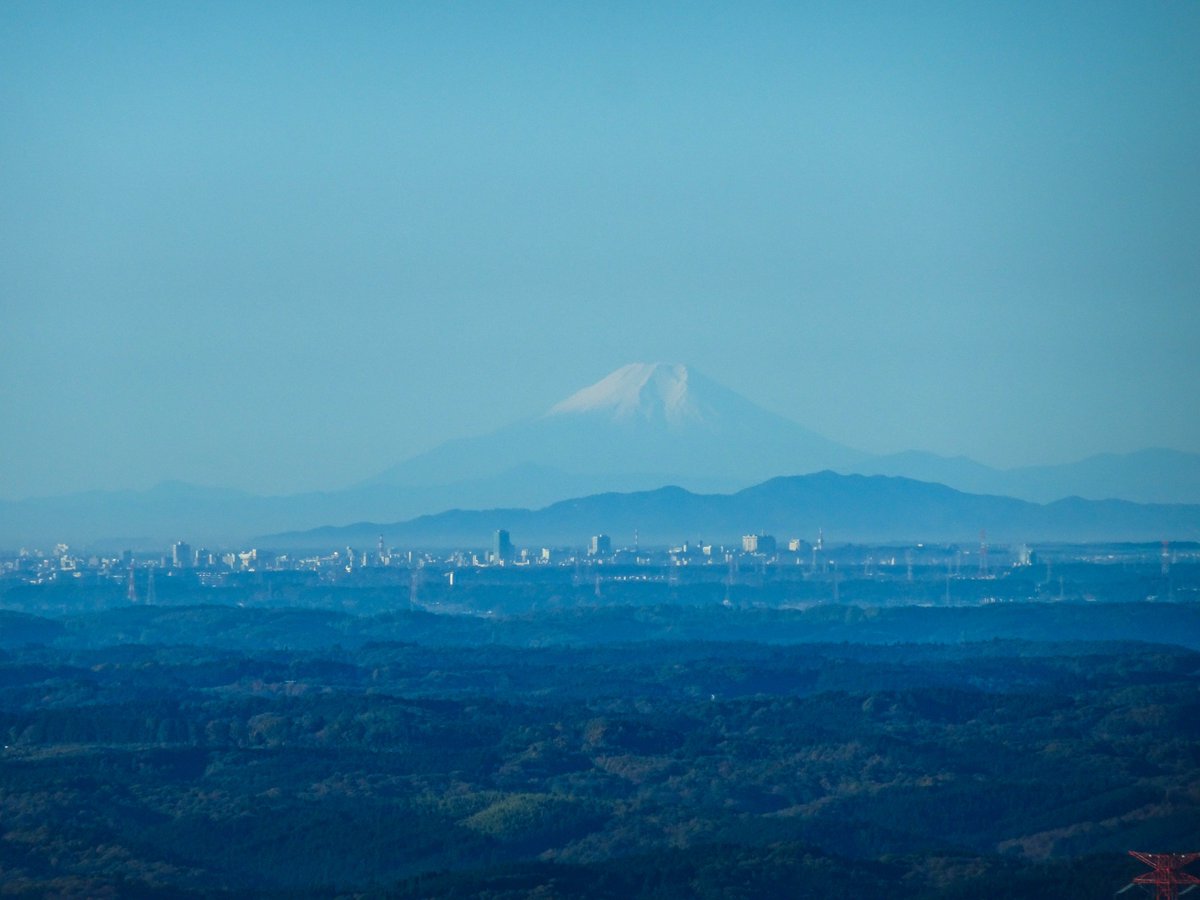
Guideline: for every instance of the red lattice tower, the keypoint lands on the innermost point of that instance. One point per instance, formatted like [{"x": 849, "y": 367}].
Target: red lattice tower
[{"x": 1168, "y": 875}]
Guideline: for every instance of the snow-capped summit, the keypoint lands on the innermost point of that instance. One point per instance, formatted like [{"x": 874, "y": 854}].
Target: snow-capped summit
[
  {"x": 653, "y": 391},
  {"x": 645, "y": 419}
]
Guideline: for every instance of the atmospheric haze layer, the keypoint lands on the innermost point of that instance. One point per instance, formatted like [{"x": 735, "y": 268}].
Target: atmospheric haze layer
[{"x": 642, "y": 427}]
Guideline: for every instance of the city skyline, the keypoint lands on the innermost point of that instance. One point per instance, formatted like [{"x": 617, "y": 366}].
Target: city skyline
[{"x": 280, "y": 249}]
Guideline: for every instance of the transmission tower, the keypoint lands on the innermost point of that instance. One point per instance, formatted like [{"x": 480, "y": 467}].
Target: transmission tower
[
  {"x": 1167, "y": 875},
  {"x": 131, "y": 593}
]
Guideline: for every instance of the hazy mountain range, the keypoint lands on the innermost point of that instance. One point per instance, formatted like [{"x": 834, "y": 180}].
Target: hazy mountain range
[
  {"x": 640, "y": 428},
  {"x": 849, "y": 508}
]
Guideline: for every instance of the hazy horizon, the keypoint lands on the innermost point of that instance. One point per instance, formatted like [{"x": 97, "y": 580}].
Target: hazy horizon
[
  {"x": 729, "y": 480},
  {"x": 280, "y": 248}
]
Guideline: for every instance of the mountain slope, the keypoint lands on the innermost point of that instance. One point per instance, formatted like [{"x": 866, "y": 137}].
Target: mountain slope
[
  {"x": 1154, "y": 475},
  {"x": 848, "y": 507},
  {"x": 641, "y": 419},
  {"x": 640, "y": 427},
  {"x": 216, "y": 517}
]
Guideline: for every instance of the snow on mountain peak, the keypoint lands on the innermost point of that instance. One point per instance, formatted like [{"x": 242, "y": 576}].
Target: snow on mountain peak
[{"x": 639, "y": 391}]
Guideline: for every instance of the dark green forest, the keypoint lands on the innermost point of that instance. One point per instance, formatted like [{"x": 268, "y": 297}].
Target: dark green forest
[{"x": 1011, "y": 750}]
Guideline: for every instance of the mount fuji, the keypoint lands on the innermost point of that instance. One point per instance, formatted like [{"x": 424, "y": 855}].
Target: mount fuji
[
  {"x": 643, "y": 423},
  {"x": 639, "y": 428}
]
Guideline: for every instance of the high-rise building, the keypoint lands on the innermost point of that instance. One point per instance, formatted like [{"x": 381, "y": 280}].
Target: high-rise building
[
  {"x": 600, "y": 545},
  {"x": 759, "y": 543},
  {"x": 502, "y": 548},
  {"x": 181, "y": 555}
]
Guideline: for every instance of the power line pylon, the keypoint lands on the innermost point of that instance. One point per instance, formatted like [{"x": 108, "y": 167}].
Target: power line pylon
[{"x": 1168, "y": 875}]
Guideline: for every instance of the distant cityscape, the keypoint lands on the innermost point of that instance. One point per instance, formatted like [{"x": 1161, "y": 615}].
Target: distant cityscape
[
  {"x": 758, "y": 549},
  {"x": 760, "y": 560}
]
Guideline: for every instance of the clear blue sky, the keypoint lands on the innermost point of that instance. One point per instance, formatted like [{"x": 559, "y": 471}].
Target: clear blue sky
[{"x": 281, "y": 246}]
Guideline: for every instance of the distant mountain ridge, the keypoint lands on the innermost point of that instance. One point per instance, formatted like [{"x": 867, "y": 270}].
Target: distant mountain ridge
[
  {"x": 1154, "y": 475},
  {"x": 850, "y": 508},
  {"x": 669, "y": 419},
  {"x": 642, "y": 426},
  {"x": 170, "y": 511}
]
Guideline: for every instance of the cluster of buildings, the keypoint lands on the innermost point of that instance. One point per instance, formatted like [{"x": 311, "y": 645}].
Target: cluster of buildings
[
  {"x": 755, "y": 550},
  {"x": 599, "y": 550},
  {"x": 39, "y": 565}
]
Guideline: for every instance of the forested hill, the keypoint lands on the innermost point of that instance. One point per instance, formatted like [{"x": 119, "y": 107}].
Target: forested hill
[
  {"x": 253, "y": 628},
  {"x": 660, "y": 770}
]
